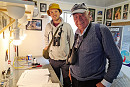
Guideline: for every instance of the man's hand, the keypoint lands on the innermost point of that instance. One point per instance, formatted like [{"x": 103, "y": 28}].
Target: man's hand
[{"x": 100, "y": 84}]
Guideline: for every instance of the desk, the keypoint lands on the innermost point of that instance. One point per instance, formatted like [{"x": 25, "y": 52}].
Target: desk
[
  {"x": 17, "y": 74},
  {"x": 53, "y": 75}
]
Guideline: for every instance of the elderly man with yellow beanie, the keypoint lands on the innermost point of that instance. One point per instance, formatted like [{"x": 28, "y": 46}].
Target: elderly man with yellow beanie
[{"x": 61, "y": 44}]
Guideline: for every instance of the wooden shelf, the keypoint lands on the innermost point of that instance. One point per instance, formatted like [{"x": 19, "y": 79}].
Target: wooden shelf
[{"x": 121, "y": 23}]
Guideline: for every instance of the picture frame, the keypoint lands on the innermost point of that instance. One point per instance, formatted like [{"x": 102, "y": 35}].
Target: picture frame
[
  {"x": 43, "y": 7},
  {"x": 125, "y": 15},
  {"x": 99, "y": 18},
  {"x": 99, "y": 13},
  {"x": 92, "y": 14},
  {"x": 117, "y": 13},
  {"x": 99, "y": 22},
  {"x": 109, "y": 13},
  {"x": 35, "y": 24},
  {"x": 108, "y": 23},
  {"x": 117, "y": 35},
  {"x": 126, "y": 6}
]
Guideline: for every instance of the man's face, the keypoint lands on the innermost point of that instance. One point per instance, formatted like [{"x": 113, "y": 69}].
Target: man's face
[
  {"x": 55, "y": 14},
  {"x": 81, "y": 20}
]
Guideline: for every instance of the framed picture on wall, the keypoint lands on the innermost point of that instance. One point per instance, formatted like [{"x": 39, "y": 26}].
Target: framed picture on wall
[
  {"x": 99, "y": 13},
  {"x": 125, "y": 15},
  {"x": 117, "y": 35},
  {"x": 125, "y": 9},
  {"x": 117, "y": 13},
  {"x": 99, "y": 18},
  {"x": 108, "y": 23},
  {"x": 43, "y": 7},
  {"x": 99, "y": 22},
  {"x": 109, "y": 13},
  {"x": 35, "y": 24},
  {"x": 92, "y": 14}
]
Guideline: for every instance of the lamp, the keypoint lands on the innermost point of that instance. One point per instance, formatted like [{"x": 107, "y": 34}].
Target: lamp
[
  {"x": 16, "y": 12},
  {"x": 16, "y": 39},
  {"x": 23, "y": 21}
]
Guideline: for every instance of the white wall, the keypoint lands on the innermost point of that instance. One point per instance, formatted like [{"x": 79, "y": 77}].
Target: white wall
[{"x": 34, "y": 41}]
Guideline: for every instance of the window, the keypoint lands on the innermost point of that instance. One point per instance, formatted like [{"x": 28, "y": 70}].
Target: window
[{"x": 66, "y": 15}]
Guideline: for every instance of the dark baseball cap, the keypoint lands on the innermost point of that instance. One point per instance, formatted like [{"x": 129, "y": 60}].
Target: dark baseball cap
[{"x": 78, "y": 8}]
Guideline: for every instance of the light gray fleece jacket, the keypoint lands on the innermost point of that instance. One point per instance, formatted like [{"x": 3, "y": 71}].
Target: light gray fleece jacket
[{"x": 66, "y": 41}]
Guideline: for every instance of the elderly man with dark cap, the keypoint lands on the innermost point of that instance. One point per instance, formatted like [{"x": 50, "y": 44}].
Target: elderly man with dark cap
[
  {"x": 93, "y": 45},
  {"x": 61, "y": 44}
]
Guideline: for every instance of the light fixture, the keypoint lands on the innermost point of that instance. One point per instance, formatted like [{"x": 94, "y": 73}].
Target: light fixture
[
  {"x": 22, "y": 34},
  {"x": 16, "y": 12},
  {"x": 23, "y": 21},
  {"x": 16, "y": 39}
]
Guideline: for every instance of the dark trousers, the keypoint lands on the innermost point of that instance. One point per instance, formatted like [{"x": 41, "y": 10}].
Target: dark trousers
[
  {"x": 61, "y": 64},
  {"x": 89, "y": 83}
]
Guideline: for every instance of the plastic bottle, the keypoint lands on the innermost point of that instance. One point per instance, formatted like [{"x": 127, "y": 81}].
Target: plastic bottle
[{"x": 34, "y": 60}]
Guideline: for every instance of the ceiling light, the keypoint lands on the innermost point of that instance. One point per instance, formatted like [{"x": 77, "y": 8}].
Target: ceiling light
[{"x": 16, "y": 12}]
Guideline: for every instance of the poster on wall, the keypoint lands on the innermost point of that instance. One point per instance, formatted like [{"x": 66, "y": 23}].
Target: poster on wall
[
  {"x": 109, "y": 13},
  {"x": 92, "y": 14},
  {"x": 125, "y": 50},
  {"x": 117, "y": 13},
  {"x": 117, "y": 35}
]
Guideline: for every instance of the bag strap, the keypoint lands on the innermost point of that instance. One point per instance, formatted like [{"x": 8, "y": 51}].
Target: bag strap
[
  {"x": 54, "y": 36},
  {"x": 98, "y": 33},
  {"x": 85, "y": 34}
]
